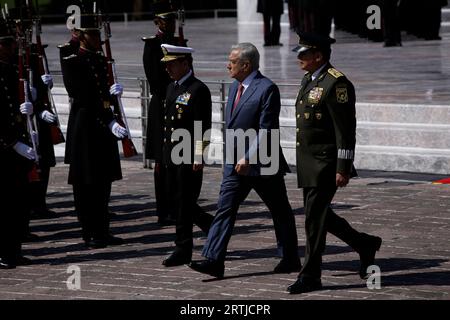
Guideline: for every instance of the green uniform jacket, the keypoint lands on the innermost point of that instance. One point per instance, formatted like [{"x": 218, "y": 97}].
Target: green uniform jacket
[{"x": 326, "y": 128}]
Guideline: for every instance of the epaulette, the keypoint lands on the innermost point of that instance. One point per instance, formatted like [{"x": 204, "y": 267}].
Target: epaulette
[
  {"x": 335, "y": 73},
  {"x": 61, "y": 46},
  {"x": 148, "y": 38},
  {"x": 70, "y": 57}
]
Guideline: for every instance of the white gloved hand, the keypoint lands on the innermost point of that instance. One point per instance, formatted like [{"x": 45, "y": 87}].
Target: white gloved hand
[
  {"x": 48, "y": 80},
  {"x": 119, "y": 131},
  {"x": 116, "y": 89},
  {"x": 24, "y": 150},
  {"x": 47, "y": 116},
  {"x": 26, "y": 108},
  {"x": 33, "y": 94}
]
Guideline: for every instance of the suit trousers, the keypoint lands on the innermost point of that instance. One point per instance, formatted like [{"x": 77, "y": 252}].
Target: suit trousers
[
  {"x": 320, "y": 219},
  {"x": 233, "y": 191},
  {"x": 38, "y": 190},
  {"x": 184, "y": 186},
  {"x": 91, "y": 204}
]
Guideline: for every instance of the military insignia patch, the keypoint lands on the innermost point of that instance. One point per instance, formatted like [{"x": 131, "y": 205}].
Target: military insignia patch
[
  {"x": 183, "y": 99},
  {"x": 335, "y": 73},
  {"x": 341, "y": 94},
  {"x": 307, "y": 115},
  {"x": 106, "y": 104},
  {"x": 315, "y": 94}
]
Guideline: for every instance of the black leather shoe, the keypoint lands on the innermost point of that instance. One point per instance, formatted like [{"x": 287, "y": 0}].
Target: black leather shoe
[
  {"x": 303, "y": 285},
  {"x": 177, "y": 258},
  {"x": 211, "y": 267},
  {"x": 5, "y": 264},
  {"x": 96, "y": 244},
  {"x": 166, "y": 221},
  {"x": 30, "y": 237},
  {"x": 114, "y": 241},
  {"x": 367, "y": 254},
  {"x": 23, "y": 261},
  {"x": 288, "y": 266}
]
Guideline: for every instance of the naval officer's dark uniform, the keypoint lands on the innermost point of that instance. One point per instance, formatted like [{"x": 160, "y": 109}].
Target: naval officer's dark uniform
[
  {"x": 158, "y": 80},
  {"x": 186, "y": 103}
]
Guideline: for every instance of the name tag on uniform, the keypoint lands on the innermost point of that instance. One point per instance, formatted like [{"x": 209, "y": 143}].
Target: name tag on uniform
[
  {"x": 314, "y": 95},
  {"x": 184, "y": 98}
]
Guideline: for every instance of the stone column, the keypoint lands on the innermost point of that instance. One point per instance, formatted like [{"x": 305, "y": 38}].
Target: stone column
[{"x": 247, "y": 12}]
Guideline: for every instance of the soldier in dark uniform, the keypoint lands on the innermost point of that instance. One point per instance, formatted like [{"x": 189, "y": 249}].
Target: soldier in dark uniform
[
  {"x": 92, "y": 133},
  {"x": 44, "y": 119},
  {"x": 187, "y": 104},
  {"x": 16, "y": 155},
  {"x": 271, "y": 11},
  {"x": 159, "y": 80},
  {"x": 326, "y": 125}
]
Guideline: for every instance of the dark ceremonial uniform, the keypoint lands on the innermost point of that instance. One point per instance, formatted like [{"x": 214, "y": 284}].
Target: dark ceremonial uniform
[
  {"x": 91, "y": 148},
  {"x": 186, "y": 103},
  {"x": 46, "y": 150},
  {"x": 272, "y": 11},
  {"x": 158, "y": 80},
  {"x": 14, "y": 168}
]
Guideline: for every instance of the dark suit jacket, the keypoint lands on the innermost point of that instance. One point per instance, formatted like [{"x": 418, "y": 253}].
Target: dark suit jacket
[{"x": 258, "y": 108}]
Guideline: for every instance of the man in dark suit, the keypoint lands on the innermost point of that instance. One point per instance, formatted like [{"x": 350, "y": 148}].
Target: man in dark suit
[
  {"x": 326, "y": 135},
  {"x": 253, "y": 105},
  {"x": 158, "y": 79},
  {"x": 92, "y": 134},
  {"x": 187, "y": 108},
  {"x": 271, "y": 11}
]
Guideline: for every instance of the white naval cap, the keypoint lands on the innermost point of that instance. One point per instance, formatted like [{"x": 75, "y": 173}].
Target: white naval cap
[{"x": 172, "y": 52}]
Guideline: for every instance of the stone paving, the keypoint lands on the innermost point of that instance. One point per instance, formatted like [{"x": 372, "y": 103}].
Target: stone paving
[{"x": 406, "y": 210}]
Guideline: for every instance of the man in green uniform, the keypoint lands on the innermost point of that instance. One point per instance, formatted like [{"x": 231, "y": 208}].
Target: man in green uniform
[{"x": 326, "y": 129}]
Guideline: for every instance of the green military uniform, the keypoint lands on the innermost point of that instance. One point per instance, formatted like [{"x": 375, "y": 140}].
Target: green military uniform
[
  {"x": 325, "y": 146},
  {"x": 326, "y": 124}
]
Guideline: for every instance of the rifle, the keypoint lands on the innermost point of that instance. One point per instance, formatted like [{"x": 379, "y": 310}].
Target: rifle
[
  {"x": 181, "y": 18},
  {"x": 129, "y": 150},
  {"x": 55, "y": 129},
  {"x": 34, "y": 174}
]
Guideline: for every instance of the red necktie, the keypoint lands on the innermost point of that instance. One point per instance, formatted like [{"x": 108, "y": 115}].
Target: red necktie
[{"x": 238, "y": 96}]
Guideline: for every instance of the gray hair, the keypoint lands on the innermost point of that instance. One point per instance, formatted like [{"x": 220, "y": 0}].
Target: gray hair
[{"x": 248, "y": 51}]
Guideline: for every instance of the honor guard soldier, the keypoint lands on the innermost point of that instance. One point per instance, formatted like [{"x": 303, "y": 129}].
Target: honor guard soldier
[
  {"x": 16, "y": 154},
  {"x": 187, "y": 106},
  {"x": 326, "y": 125},
  {"x": 92, "y": 133},
  {"x": 158, "y": 79}
]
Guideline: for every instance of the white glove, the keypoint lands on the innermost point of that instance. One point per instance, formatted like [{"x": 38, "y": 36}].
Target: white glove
[
  {"x": 26, "y": 108},
  {"x": 47, "y": 116},
  {"x": 116, "y": 89},
  {"x": 33, "y": 94},
  {"x": 48, "y": 80},
  {"x": 119, "y": 131},
  {"x": 24, "y": 150}
]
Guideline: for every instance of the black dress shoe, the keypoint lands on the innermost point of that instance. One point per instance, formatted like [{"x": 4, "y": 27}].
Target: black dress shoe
[
  {"x": 211, "y": 267},
  {"x": 96, "y": 244},
  {"x": 177, "y": 258},
  {"x": 114, "y": 241},
  {"x": 288, "y": 266},
  {"x": 5, "y": 264},
  {"x": 43, "y": 213},
  {"x": 166, "y": 221},
  {"x": 23, "y": 261},
  {"x": 305, "y": 284},
  {"x": 30, "y": 237},
  {"x": 367, "y": 254}
]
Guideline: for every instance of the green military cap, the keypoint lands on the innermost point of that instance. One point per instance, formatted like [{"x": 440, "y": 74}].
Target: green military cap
[{"x": 309, "y": 41}]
